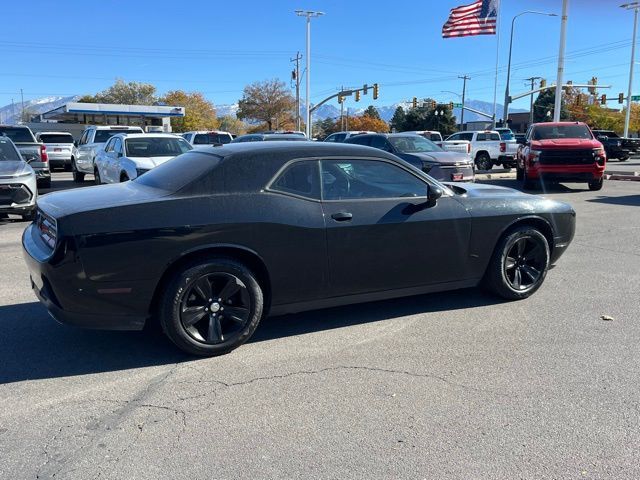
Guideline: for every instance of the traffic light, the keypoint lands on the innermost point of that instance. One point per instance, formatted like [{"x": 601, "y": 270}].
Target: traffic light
[
  {"x": 433, "y": 104},
  {"x": 414, "y": 102},
  {"x": 451, "y": 106},
  {"x": 365, "y": 89},
  {"x": 603, "y": 98},
  {"x": 340, "y": 99},
  {"x": 357, "y": 95},
  {"x": 621, "y": 98},
  {"x": 375, "y": 91},
  {"x": 594, "y": 82},
  {"x": 543, "y": 82}
]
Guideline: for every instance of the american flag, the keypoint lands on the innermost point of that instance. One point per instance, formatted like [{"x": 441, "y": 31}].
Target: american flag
[{"x": 478, "y": 18}]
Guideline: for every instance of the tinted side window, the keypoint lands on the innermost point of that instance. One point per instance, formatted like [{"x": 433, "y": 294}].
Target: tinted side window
[
  {"x": 109, "y": 146},
  {"x": 299, "y": 178},
  {"x": 364, "y": 179},
  {"x": 495, "y": 136},
  {"x": 381, "y": 143},
  {"x": 482, "y": 137},
  {"x": 360, "y": 140},
  {"x": 466, "y": 136},
  {"x": 455, "y": 136}
]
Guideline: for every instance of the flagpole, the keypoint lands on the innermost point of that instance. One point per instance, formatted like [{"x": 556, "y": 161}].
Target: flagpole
[{"x": 495, "y": 82}]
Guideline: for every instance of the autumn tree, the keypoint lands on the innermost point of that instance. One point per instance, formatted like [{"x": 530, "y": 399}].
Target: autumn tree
[
  {"x": 268, "y": 101},
  {"x": 230, "y": 123},
  {"x": 368, "y": 123},
  {"x": 127, "y": 93},
  {"x": 200, "y": 114}
]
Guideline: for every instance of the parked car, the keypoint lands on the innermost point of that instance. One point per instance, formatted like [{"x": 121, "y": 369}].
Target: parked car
[
  {"x": 206, "y": 137},
  {"x": 127, "y": 156},
  {"x": 422, "y": 154},
  {"x": 269, "y": 137},
  {"x": 18, "y": 184},
  {"x": 60, "y": 148},
  {"x": 339, "y": 137},
  {"x": 91, "y": 142},
  {"x": 32, "y": 151},
  {"x": 627, "y": 144},
  {"x": 561, "y": 152},
  {"x": 613, "y": 145},
  {"x": 314, "y": 225},
  {"x": 508, "y": 153},
  {"x": 433, "y": 135},
  {"x": 485, "y": 147}
]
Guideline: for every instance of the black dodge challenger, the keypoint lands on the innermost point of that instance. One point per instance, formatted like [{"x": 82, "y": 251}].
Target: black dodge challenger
[{"x": 214, "y": 240}]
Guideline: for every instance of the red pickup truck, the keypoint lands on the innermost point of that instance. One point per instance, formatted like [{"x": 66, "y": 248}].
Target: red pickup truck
[{"x": 560, "y": 152}]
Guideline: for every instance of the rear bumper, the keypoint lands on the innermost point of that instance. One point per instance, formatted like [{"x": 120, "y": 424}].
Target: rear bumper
[{"x": 59, "y": 159}]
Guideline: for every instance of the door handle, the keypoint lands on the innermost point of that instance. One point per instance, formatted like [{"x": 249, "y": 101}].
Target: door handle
[{"x": 342, "y": 216}]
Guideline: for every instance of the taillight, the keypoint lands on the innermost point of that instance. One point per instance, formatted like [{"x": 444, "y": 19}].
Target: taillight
[
  {"x": 43, "y": 153},
  {"x": 503, "y": 147},
  {"x": 468, "y": 148}
]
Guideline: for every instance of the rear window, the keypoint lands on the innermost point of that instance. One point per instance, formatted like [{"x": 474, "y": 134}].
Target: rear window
[
  {"x": 104, "y": 135},
  {"x": 56, "y": 138},
  {"x": 180, "y": 171},
  {"x": 8, "y": 152},
  {"x": 507, "y": 136},
  {"x": 18, "y": 134},
  {"x": 211, "y": 138},
  {"x": 435, "y": 137},
  {"x": 547, "y": 132},
  {"x": 156, "y": 147}
]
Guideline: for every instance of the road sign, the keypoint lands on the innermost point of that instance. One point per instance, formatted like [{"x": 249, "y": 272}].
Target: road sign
[
  {"x": 457, "y": 105},
  {"x": 635, "y": 98}
]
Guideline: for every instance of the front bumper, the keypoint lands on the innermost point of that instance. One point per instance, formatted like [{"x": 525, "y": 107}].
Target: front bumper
[
  {"x": 18, "y": 194},
  {"x": 566, "y": 173},
  {"x": 447, "y": 173}
]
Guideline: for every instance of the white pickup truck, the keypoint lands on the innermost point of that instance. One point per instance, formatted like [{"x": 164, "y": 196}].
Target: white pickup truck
[
  {"x": 485, "y": 147},
  {"x": 92, "y": 140}
]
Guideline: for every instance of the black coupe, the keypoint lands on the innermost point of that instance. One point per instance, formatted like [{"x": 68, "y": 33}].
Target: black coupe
[{"x": 214, "y": 240}]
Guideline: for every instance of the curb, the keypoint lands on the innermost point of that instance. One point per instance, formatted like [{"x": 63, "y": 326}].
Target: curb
[
  {"x": 496, "y": 176},
  {"x": 627, "y": 178}
]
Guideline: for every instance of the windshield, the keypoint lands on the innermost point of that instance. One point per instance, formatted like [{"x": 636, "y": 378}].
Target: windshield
[
  {"x": 8, "y": 152},
  {"x": 211, "y": 138},
  {"x": 156, "y": 147},
  {"x": 18, "y": 134},
  {"x": 414, "y": 144},
  {"x": 103, "y": 135},
  {"x": 550, "y": 132},
  {"x": 507, "y": 136},
  {"x": 56, "y": 138},
  {"x": 608, "y": 133}
]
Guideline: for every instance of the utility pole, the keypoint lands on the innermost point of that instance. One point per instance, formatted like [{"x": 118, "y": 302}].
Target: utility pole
[
  {"x": 308, "y": 14},
  {"x": 13, "y": 110},
  {"x": 533, "y": 82},
  {"x": 563, "y": 43},
  {"x": 464, "y": 91},
  {"x": 22, "y": 100},
  {"x": 631, "y": 6},
  {"x": 342, "y": 112},
  {"x": 296, "y": 74}
]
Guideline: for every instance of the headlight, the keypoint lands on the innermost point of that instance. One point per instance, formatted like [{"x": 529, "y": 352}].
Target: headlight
[{"x": 534, "y": 155}]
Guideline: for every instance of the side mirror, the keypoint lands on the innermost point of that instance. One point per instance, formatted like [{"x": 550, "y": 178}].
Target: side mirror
[{"x": 433, "y": 195}]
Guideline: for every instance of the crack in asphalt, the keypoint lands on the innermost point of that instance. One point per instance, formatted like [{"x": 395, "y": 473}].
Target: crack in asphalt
[{"x": 620, "y": 252}]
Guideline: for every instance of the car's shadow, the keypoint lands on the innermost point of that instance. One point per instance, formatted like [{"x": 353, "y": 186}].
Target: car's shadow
[
  {"x": 33, "y": 346},
  {"x": 628, "y": 200}
]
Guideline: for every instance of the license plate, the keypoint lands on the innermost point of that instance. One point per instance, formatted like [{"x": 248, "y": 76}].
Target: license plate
[
  {"x": 456, "y": 176},
  {"x": 57, "y": 149}
]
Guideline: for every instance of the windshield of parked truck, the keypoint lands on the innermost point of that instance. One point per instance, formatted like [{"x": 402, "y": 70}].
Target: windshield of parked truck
[
  {"x": 507, "y": 136},
  {"x": 550, "y": 132},
  {"x": 18, "y": 134},
  {"x": 211, "y": 138},
  {"x": 8, "y": 152},
  {"x": 608, "y": 133},
  {"x": 103, "y": 135},
  {"x": 156, "y": 147},
  {"x": 56, "y": 138},
  {"x": 414, "y": 144}
]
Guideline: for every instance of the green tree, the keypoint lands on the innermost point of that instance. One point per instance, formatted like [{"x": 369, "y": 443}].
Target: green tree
[
  {"x": 128, "y": 93},
  {"x": 268, "y": 101},
  {"x": 372, "y": 112},
  {"x": 544, "y": 105},
  {"x": 425, "y": 118},
  {"x": 87, "y": 99},
  {"x": 398, "y": 120},
  {"x": 199, "y": 113}
]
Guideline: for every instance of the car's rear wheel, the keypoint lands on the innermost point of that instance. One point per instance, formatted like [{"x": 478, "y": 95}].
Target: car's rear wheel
[
  {"x": 624, "y": 159},
  {"x": 96, "y": 176},
  {"x": 519, "y": 264},
  {"x": 519, "y": 174},
  {"x": 124, "y": 177},
  {"x": 595, "y": 185},
  {"x": 78, "y": 177},
  {"x": 211, "y": 307},
  {"x": 483, "y": 161}
]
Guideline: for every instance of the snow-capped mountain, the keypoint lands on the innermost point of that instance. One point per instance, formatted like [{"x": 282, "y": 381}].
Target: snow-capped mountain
[{"x": 10, "y": 114}]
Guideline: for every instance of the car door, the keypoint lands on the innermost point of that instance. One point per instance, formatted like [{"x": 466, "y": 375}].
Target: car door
[
  {"x": 115, "y": 166},
  {"x": 103, "y": 160},
  {"x": 382, "y": 234}
]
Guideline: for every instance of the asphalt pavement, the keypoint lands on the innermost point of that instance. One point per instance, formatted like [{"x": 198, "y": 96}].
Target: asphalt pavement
[{"x": 452, "y": 385}]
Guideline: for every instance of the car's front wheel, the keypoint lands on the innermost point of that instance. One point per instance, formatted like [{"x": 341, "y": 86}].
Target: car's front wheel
[
  {"x": 596, "y": 185},
  {"x": 78, "y": 177},
  {"x": 483, "y": 161},
  {"x": 519, "y": 264},
  {"x": 96, "y": 176},
  {"x": 211, "y": 306}
]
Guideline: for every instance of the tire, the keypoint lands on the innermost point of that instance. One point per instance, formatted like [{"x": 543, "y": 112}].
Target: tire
[
  {"x": 483, "y": 161},
  {"x": 519, "y": 174},
  {"x": 596, "y": 185},
  {"x": 124, "y": 177},
  {"x": 526, "y": 183},
  {"x": 45, "y": 183},
  {"x": 29, "y": 216},
  {"x": 624, "y": 159},
  {"x": 505, "y": 267},
  {"x": 96, "y": 176},
  {"x": 78, "y": 177},
  {"x": 212, "y": 331}
]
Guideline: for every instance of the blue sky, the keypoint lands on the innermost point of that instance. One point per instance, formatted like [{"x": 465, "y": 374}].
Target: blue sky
[{"x": 76, "y": 47}]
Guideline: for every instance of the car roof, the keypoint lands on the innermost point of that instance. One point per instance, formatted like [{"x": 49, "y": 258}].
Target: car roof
[
  {"x": 302, "y": 149},
  {"x": 113, "y": 127},
  {"x": 146, "y": 135},
  {"x": 557, "y": 124},
  {"x": 53, "y": 133},
  {"x": 207, "y": 131}
]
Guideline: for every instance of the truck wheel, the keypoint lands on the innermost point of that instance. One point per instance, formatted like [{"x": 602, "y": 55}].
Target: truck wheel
[
  {"x": 483, "y": 161},
  {"x": 78, "y": 177},
  {"x": 624, "y": 159},
  {"x": 519, "y": 174},
  {"x": 526, "y": 183},
  {"x": 596, "y": 184},
  {"x": 96, "y": 176}
]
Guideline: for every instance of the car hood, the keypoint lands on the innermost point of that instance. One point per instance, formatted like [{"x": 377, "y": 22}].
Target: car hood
[
  {"x": 568, "y": 143},
  {"x": 444, "y": 158},
  {"x": 14, "y": 168},
  {"x": 486, "y": 191},
  {"x": 149, "y": 162}
]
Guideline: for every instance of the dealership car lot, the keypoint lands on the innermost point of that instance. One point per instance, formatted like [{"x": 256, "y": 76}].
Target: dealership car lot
[{"x": 446, "y": 385}]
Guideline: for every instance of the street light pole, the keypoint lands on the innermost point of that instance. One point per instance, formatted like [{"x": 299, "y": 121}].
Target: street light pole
[
  {"x": 464, "y": 91},
  {"x": 631, "y": 6},
  {"x": 563, "y": 43},
  {"x": 308, "y": 14},
  {"x": 505, "y": 114}
]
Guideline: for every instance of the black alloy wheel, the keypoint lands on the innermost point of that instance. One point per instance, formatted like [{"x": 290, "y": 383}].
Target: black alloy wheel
[
  {"x": 483, "y": 161},
  {"x": 519, "y": 264},
  {"x": 211, "y": 307}
]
